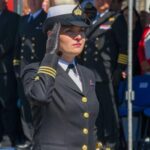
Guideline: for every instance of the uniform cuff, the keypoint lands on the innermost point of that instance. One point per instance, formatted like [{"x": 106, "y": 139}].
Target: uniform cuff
[
  {"x": 50, "y": 60},
  {"x": 121, "y": 67},
  {"x": 123, "y": 59},
  {"x": 48, "y": 65}
]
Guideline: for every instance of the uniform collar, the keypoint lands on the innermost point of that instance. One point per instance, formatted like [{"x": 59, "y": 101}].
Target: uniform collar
[
  {"x": 35, "y": 14},
  {"x": 102, "y": 14},
  {"x": 99, "y": 15},
  {"x": 65, "y": 64}
]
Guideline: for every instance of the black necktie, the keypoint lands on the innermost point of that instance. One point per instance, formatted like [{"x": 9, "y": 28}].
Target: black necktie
[{"x": 72, "y": 67}]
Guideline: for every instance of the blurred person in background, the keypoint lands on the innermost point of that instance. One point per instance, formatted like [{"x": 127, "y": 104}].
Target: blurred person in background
[
  {"x": 116, "y": 5},
  {"x": 137, "y": 33},
  {"x": 144, "y": 51},
  {"x": 8, "y": 87},
  {"x": 25, "y": 8},
  {"x": 106, "y": 54},
  {"x": 46, "y": 5},
  {"x": 30, "y": 47},
  {"x": 145, "y": 18},
  {"x": 90, "y": 12},
  {"x": 144, "y": 59}
]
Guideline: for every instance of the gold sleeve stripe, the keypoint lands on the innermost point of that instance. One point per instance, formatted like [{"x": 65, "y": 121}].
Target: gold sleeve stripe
[
  {"x": 43, "y": 72},
  {"x": 122, "y": 62},
  {"x": 48, "y": 73},
  {"x": 47, "y": 70},
  {"x": 122, "y": 59},
  {"x": 46, "y": 67},
  {"x": 123, "y": 56}
]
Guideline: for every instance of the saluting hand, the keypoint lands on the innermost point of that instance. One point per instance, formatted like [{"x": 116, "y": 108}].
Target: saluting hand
[{"x": 52, "y": 44}]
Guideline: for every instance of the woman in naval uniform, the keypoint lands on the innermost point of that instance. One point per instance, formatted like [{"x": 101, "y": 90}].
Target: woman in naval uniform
[{"x": 62, "y": 92}]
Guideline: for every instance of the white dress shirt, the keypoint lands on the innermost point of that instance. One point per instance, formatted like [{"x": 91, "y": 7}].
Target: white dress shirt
[
  {"x": 34, "y": 15},
  {"x": 74, "y": 76},
  {"x": 99, "y": 15}
]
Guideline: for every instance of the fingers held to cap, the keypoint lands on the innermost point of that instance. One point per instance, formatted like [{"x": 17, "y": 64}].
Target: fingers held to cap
[
  {"x": 53, "y": 39},
  {"x": 56, "y": 27},
  {"x": 55, "y": 34}
]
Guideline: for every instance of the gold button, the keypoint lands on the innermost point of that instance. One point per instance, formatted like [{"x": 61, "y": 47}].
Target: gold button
[
  {"x": 96, "y": 45},
  {"x": 22, "y": 50},
  {"x": 33, "y": 44},
  {"x": 108, "y": 48},
  {"x": 96, "y": 59},
  {"x": 85, "y": 59},
  {"x": 23, "y": 38},
  {"x": 22, "y": 44},
  {"x": 86, "y": 115},
  {"x": 22, "y": 57},
  {"x": 99, "y": 145},
  {"x": 84, "y": 147},
  {"x": 33, "y": 38},
  {"x": 33, "y": 51},
  {"x": 96, "y": 52},
  {"x": 84, "y": 99},
  {"x": 85, "y": 131},
  {"x": 85, "y": 52},
  {"x": 32, "y": 57}
]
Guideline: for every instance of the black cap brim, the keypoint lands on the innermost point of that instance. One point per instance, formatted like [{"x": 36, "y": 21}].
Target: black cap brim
[{"x": 65, "y": 20}]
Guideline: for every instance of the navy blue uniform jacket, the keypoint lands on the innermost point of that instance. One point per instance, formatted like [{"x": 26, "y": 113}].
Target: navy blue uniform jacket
[{"x": 63, "y": 116}]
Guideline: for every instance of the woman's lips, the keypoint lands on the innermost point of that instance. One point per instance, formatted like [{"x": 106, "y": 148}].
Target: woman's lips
[{"x": 77, "y": 45}]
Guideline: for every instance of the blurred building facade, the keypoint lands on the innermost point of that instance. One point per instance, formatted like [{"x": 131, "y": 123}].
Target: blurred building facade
[
  {"x": 142, "y": 5},
  {"x": 21, "y": 6}
]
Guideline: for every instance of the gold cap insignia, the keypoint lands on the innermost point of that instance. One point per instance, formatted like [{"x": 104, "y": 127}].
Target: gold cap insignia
[{"x": 77, "y": 11}]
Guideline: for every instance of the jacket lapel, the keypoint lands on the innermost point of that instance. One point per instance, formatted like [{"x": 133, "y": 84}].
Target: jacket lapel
[
  {"x": 84, "y": 79},
  {"x": 65, "y": 78},
  {"x": 40, "y": 17}
]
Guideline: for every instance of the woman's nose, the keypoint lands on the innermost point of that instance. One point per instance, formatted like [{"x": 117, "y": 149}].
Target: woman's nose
[{"x": 78, "y": 37}]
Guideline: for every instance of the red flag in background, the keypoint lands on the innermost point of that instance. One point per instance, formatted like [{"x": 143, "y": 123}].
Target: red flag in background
[{"x": 10, "y": 4}]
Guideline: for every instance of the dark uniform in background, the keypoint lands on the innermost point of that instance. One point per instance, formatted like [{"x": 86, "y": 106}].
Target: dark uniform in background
[
  {"x": 90, "y": 12},
  {"x": 8, "y": 89},
  {"x": 30, "y": 47},
  {"x": 106, "y": 54},
  {"x": 30, "y": 41}
]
